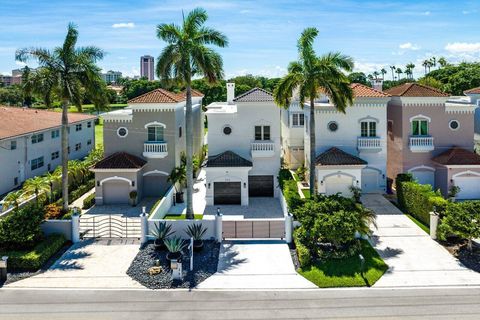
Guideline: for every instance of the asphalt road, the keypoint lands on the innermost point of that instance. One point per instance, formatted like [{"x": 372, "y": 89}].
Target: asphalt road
[{"x": 438, "y": 303}]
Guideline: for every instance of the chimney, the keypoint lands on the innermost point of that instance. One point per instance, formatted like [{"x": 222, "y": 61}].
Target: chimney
[
  {"x": 377, "y": 84},
  {"x": 230, "y": 92}
]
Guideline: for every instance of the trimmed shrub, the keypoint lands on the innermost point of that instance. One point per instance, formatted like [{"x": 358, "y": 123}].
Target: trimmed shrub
[
  {"x": 402, "y": 177},
  {"x": 89, "y": 201},
  {"x": 304, "y": 255},
  {"x": 34, "y": 259},
  {"x": 21, "y": 228},
  {"x": 420, "y": 199},
  {"x": 53, "y": 211},
  {"x": 289, "y": 189},
  {"x": 461, "y": 220}
]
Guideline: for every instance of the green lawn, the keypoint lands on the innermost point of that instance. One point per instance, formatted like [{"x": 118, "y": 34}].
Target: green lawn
[
  {"x": 99, "y": 133},
  {"x": 197, "y": 216},
  {"x": 295, "y": 176},
  {"x": 306, "y": 193},
  {"x": 346, "y": 272},
  {"x": 422, "y": 226}
]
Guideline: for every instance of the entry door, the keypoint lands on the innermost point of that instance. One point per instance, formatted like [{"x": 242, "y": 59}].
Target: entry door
[
  {"x": 260, "y": 186},
  {"x": 370, "y": 181},
  {"x": 227, "y": 193}
]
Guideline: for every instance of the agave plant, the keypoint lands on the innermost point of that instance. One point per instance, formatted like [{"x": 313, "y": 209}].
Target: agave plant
[
  {"x": 161, "y": 232},
  {"x": 196, "y": 231},
  {"x": 174, "y": 246}
]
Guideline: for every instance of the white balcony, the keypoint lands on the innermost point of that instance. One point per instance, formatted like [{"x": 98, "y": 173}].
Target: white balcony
[
  {"x": 369, "y": 144},
  {"x": 421, "y": 144},
  {"x": 155, "y": 149},
  {"x": 263, "y": 149}
]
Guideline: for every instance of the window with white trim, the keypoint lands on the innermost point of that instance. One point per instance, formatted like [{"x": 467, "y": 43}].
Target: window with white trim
[
  {"x": 78, "y": 127},
  {"x": 55, "y": 155},
  {"x": 420, "y": 127},
  {"x": 36, "y": 163},
  {"x": 156, "y": 133},
  {"x": 55, "y": 134},
  {"x": 368, "y": 129},
  {"x": 89, "y": 124},
  {"x": 36, "y": 138},
  {"x": 89, "y": 142},
  {"x": 262, "y": 133},
  {"x": 298, "y": 119},
  {"x": 13, "y": 145}
]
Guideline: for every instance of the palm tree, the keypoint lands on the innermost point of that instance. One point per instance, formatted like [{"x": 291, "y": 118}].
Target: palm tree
[
  {"x": 410, "y": 68},
  {"x": 309, "y": 75},
  {"x": 185, "y": 56},
  {"x": 26, "y": 85},
  {"x": 75, "y": 169},
  {"x": 442, "y": 62},
  {"x": 433, "y": 60},
  {"x": 425, "y": 64},
  {"x": 409, "y": 73},
  {"x": 399, "y": 72},
  {"x": 73, "y": 72},
  {"x": 51, "y": 178},
  {"x": 383, "y": 72},
  {"x": 14, "y": 198},
  {"x": 393, "y": 72},
  {"x": 376, "y": 74},
  {"x": 43, "y": 84},
  {"x": 35, "y": 186}
]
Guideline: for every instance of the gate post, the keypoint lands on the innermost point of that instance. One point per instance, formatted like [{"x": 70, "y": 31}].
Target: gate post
[
  {"x": 218, "y": 227},
  {"x": 433, "y": 224},
  {"x": 75, "y": 227},
  {"x": 144, "y": 227},
  {"x": 288, "y": 228}
]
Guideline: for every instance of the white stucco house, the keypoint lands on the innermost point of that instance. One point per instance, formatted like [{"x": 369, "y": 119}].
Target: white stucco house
[
  {"x": 243, "y": 146},
  {"x": 350, "y": 148}
]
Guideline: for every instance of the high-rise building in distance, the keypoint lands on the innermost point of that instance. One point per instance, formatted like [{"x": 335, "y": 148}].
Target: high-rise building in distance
[{"x": 146, "y": 67}]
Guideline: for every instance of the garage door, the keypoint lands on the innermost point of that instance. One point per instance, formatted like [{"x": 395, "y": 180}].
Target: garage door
[
  {"x": 424, "y": 177},
  {"x": 338, "y": 184},
  {"x": 116, "y": 192},
  {"x": 469, "y": 187},
  {"x": 260, "y": 186},
  {"x": 370, "y": 181},
  {"x": 155, "y": 185},
  {"x": 227, "y": 193}
]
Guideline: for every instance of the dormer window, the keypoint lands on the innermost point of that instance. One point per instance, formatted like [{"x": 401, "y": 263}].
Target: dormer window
[{"x": 155, "y": 133}]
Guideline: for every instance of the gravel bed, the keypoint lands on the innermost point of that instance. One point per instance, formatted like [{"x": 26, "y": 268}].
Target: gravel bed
[
  {"x": 470, "y": 259},
  {"x": 204, "y": 265}
]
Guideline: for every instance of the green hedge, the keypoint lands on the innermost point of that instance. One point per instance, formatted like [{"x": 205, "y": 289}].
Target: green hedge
[
  {"x": 402, "y": 177},
  {"x": 78, "y": 192},
  {"x": 289, "y": 189},
  {"x": 89, "y": 201},
  {"x": 419, "y": 200},
  {"x": 35, "y": 258},
  {"x": 21, "y": 228}
]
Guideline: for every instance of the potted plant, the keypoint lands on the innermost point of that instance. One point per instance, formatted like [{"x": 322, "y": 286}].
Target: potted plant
[
  {"x": 161, "y": 232},
  {"x": 196, "y": 231},
  {"x": 174, "y": 246},
  {"x": 452, "y": 192},
  {"x": 133, "y": 197},
  {"x": 178, "y": 175}
]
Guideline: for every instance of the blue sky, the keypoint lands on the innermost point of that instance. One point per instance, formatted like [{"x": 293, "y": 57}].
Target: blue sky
[{"x": 262, "y": 34}]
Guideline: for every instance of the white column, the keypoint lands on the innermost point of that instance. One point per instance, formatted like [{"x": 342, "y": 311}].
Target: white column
[
  {"x": 288, "y": 228},
  {"x": 218, "y": 227},
  {"x": 144, "y": 228},
  {"x": 433, "y": 225},
  {"x": 75, "y": 228}
]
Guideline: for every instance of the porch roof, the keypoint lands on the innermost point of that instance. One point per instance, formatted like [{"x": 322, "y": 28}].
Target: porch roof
[
  {"x": 120, "y": 160},
  {"x": 228, "y": 159},
  {"x": 335, "y": 156},
  {"x": 457, "y": 156}
]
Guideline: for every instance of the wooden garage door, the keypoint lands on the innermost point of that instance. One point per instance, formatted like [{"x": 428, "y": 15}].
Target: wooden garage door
[
  {"x": 227, "y": 193},
  {"x": 260, "y": 186},
  {"x": 116, "y": 192}
]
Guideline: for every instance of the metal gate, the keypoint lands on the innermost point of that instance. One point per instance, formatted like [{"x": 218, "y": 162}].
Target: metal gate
[
  {"x": 109, "y": 226},
  {"x": 254, "y": 228}
]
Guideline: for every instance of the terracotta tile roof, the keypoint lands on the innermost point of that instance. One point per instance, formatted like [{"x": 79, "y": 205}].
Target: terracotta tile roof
[
  {"x": 18, "y": 121},
  {"x": 457, "y": 156},
  {"x": 120, "y": 160},
  {"x": 195, "y": 93},
  {"x": 361, "y": 90},
  {"x": 255, "y": 95},
  {"x": 415, "y": 90},
  {"x": 335, "y": 156},
  {"x": 228, "y": 159},
  {"x": 158, "y": 96},
  {"x": 472, "y": 91}
]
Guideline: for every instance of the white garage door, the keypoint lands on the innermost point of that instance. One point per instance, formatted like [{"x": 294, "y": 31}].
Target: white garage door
[
  {"x": 116, "y": 192},
  {"x": 338, "y": 184},
  {"x": 370, "y": 181},
  {"x": 425, "y": 177},
  {"x": 469, "y": 187}
]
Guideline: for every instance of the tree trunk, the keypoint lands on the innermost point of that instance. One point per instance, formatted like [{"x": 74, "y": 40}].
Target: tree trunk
[
  {"x": 189, "y": 151},
  {"x": 313, "y": 187},
  {"x": 65, "y": 155}
]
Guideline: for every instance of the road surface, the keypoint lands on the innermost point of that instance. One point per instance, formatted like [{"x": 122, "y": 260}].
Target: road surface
[{"x": 432, "y": 303}]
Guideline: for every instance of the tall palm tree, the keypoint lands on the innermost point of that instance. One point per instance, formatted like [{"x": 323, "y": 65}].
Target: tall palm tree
[
  {"x": 51, "y": 178},
  {"x": 187, "y": 54},
  {"x": 399, "y": 72},
  {"x": 393, "y": 72},
  {"x": 73, "y": 72},
  {"x": 376, "y": 74},
  {"x": 433, "y": 60},
  {"x": 410, "y": 68},
  {"x": 442, "y": 62},
  {"x": 383, "y": 72},
  {"x": 35, "y": 186},
  {"x": 425, "y": 64},
  {"x": 310, "y": 74}
]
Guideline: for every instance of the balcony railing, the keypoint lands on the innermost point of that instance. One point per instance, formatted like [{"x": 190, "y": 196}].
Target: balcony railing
[
  {"x": 421, "y": 144},
  {"x": 155, "y": 149},
  {"x": 369, "y": 144},
  {"x": 263, "y": 149}
]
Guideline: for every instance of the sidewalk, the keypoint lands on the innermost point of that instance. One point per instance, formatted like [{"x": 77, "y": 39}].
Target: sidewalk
[
  {"x": 79, "y": 202},
  {"x": 414, "y": 259}
]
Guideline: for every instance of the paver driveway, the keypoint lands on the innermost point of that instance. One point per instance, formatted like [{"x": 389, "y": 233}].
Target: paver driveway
[
  {"x": 255, "y": 264},
  {"x": 414, "y": 259},
  {"x": 89, "y": 264}
]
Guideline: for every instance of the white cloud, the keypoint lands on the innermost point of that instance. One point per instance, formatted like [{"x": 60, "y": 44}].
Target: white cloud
[
  {"x": 463, "y": 47},
  {"x": 245, "y": 11},
  {"x": 20, "y": 63},
  {"x": 409, "y": 46},
  {"x": 128, "y": 25},
  {"x": 368, "y": 67},
  {"x": 469, "y": 11},
  {"x": 426, "y": 13}
]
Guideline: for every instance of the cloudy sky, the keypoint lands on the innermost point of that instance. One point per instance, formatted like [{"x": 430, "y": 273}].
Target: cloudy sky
[{"x": 262, "y": 34}]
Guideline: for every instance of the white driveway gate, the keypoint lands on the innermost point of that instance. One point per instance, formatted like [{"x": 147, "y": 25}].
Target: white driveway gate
[{"x": 109, "y": 226}]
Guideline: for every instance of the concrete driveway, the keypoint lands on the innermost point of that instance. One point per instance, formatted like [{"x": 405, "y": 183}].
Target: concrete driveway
[
  {"x": 414, "y": 259},
  {"x": 255, "y": 264},
  {"x": 89, "y": 264}
]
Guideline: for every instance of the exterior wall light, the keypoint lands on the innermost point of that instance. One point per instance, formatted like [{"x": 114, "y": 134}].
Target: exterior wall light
[
  {"x": 244, "y": 184},
  {"x": 98, "y": 183},
  {"x": 321, "y": 182},
  {"x": 209, "y": 184}
]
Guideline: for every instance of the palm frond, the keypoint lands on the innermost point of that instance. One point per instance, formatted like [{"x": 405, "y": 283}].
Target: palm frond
[
  {"x": 170, "y": 33},
  {"x": 208, "y": 35},
  {"x": 195, "y": 19}
]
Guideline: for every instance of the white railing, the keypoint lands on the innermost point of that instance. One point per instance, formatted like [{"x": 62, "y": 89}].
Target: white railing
[
  {"x": 155, "y": 149},
  {"x": 263, "y": 149},
  {"x": 421, "y": 144},
  {"x": 368, "y": 143}
]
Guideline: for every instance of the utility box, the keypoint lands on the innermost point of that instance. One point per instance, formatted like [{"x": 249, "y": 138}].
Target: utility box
[
  {"x": 177, "y": 270},
  {"x": 3, "y": 269}
]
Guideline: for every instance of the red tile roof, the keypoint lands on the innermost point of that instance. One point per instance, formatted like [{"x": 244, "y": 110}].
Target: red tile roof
[
  {"x": 415, "y": 90},
  {"x": 472, "y": 91},
  {"x": 120, "y": 160},
  {"x": 335, "y": 156},
  {"x": 195, "y": 93},
  {"x": 361, "y": 90},
  {"x": 158, "y": 96},
  {"x": 18, "y": 121},
  {"x": 457, "y": 156}
]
